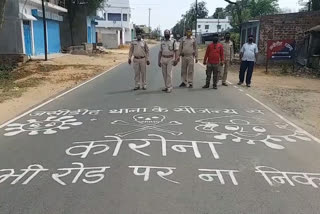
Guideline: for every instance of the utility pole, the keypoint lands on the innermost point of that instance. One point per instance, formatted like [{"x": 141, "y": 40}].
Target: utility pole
[
  {"x": 45, "y": 31},
  {"x": 149, "y": 23},
  {"x": 196, "y": 18}
]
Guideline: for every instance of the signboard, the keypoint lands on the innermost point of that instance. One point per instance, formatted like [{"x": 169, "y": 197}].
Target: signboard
[
  {"x": 281, "y": 49},
  {"x": 49, "y": 15}
]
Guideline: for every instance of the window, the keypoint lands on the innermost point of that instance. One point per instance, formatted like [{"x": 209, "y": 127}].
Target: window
[
  {"x": 199, "y": 26},
  {"x": 206, "y": 27},
  {"x": 114, "y": 16},
  {"x": 125, "y": 17},
  {"x": 105, "y": 16}
]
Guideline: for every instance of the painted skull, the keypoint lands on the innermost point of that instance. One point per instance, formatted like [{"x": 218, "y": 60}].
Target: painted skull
[{"x": 152, "y": 119}]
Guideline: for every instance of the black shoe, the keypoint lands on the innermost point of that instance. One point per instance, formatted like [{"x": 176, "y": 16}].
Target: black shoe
[
  {"x": 240, "y": 83},
  {"x": 248, "y": 85},
  {"x": 215, "y": 87},
  {"x": 190, "y": 86},
  {"x": 224, "y": 84},
  {"x": 144, "y": 88},
  {"x": 165, "y": 89},
  {"x": 206, "y": 86},
  {"x": 136, "y": 88},
  {"x": 182, "y": 85}
]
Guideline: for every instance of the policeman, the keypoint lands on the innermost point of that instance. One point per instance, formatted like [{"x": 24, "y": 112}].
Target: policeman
[
  {"x": 140, "y": 51},
  {"x": 168, "y": 56},
  {"x": 228, "y": 50},
  {"x": 189, "y": 53}
]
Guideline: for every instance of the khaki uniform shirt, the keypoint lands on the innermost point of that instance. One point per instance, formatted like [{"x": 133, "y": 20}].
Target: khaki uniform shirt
[
  {"x": 168, "y": 48},
  {"x": 228, "y": 50},
  {"x": 188, "y": 47},
  {"x": 139, "y": 49}
]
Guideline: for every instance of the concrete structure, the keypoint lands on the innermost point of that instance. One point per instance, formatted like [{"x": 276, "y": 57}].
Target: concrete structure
[
  {"x": 279, "y": 27},
  {"x": 115, "y": 27},
  {"x": 22, "y": 32},
  {"x": 84, "y": 29},
  {"x": 213, "y": 25}
]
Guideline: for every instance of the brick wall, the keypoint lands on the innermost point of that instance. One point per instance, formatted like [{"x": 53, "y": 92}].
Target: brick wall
[{"x": 286, "y": 26}]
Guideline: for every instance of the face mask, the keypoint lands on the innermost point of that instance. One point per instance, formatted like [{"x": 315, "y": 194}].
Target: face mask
[
  {"x": 215, "y": 40},
  {"x": 138, "y": 38},
  {"x": 250, "y": 40},
  {"x": 167, "y": 36},
  {"x": 227, "y": 37}
]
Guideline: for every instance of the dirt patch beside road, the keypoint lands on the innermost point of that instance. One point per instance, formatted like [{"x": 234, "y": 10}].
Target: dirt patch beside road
[
  {"x": 36, "y": 81},
  {"x": 298, "y": 97}
]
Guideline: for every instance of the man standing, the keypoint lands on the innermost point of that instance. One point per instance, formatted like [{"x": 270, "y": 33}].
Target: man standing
[
  {"x": 228, "y": 56},
  {"x": 214, "y": 58},
  {"x": 189, "y": 53},
  {"x": 140, "y": 51},
  {"x": 168, "y": 56},
  {"x": 248, "y": 56}
]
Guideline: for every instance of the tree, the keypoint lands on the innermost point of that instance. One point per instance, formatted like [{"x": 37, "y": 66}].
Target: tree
[
  {"x": 315, "y": 5},
  {"x": 73, "y": 7},
  {"x": 139, "y": 31},
  {"x": 243, "y": 10},
  {"x": 156, "y": 33},
  {"x": 2, "y": 8},
  {"x": 219, "y": 13},
  {"x": 189, "y": 19}
]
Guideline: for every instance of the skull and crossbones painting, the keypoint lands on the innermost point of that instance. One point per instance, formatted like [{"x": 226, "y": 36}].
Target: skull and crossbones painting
[
  {"x": 250, "y": 130},
  {"x": 148, "y": 121}
]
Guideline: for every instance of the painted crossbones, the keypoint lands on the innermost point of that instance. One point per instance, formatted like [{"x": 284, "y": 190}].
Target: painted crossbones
[{"x": 148, "y": 122}]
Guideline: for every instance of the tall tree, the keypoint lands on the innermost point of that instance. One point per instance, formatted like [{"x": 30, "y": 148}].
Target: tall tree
[
  {"x": 315, "y": 5},
  {"x": 2, "y": 8},
  {"x": 73, "y": 7},
  {"x": 189, "y": 19},
  {"x": 243, "y": 10},
  {"x": 219, "y": 13}
]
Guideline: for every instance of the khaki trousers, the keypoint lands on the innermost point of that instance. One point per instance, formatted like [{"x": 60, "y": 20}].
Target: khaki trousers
[
  {"x": 166, "y": 65},
  {"x": 225, "y": 72},
  {"x": 140, "y": 68},
  {"x": 187, "y": 69}
]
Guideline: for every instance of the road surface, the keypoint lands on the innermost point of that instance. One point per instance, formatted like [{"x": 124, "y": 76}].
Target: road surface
[{"x": 103, "y": 149}]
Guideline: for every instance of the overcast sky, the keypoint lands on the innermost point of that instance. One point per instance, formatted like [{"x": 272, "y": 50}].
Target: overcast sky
[{"x": 166, "y": 13}]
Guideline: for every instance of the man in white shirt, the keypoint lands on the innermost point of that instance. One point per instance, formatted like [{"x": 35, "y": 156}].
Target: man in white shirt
[{"x": 248, "y": 56}]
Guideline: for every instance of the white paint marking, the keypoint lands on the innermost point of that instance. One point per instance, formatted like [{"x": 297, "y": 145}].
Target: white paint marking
[
  {"x": 236, "y": 86},
  {"x": 53, "y": 99},
  {"x": 286, "y": 120},
  {"x": 241, "y": 90}
]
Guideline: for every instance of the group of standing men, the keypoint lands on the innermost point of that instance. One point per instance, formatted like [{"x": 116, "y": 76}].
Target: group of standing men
[{"x": 217, "y": 55}]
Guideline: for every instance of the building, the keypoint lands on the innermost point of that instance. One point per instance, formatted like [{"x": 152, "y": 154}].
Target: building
[
  {"x": 291, "y": 26},
  {"x": 83, "y": 30},
  {"x": 23, "y": 30},
  {"x": 114, "y": 26},
  {"x": 213, "y": 25}
]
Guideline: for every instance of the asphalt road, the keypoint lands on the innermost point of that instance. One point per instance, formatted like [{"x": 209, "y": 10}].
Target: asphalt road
[{"x": 104, "y": 149}]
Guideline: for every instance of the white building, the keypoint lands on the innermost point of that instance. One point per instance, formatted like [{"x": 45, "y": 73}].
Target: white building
[
  {"x": 213, "y": 25},
  {"x": 115, "y": 26}
]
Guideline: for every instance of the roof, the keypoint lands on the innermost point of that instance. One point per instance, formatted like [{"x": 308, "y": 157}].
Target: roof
[
  {"x": 315, "y": 29},
  {"x": 251, "y": 21}
]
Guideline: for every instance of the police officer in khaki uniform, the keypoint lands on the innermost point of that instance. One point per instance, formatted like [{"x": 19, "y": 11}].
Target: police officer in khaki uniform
[
  {"x": 168, "y": 56},
  {"x": 228, "y": 57},
  {"x": 189, "y": 53},
  {"x": 140, "y": 51}
]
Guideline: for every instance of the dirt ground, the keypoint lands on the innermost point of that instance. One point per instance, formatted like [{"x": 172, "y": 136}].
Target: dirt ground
[
  {"x": 297, "y": 96},
  {"x": 46, "y": 79}
]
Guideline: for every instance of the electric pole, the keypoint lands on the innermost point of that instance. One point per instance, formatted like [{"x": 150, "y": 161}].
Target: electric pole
[
  {"x": 196, "y": 15},
  {"x": 45, "y": 31},
  {"x": 149, "y": 23}
]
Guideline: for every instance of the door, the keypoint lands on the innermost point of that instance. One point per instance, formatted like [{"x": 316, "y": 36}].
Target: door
[
  {"x": 38, "y": 37},
  {"x": 89, "y": 35},
  {"x": 27, "y": 37},
  {"x": 54, "y": 45}
]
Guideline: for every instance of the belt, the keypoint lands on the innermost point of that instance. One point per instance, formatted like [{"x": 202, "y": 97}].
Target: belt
[
  {"x": 139, "y": 57},
  {"x": 167, "y": 56}
]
